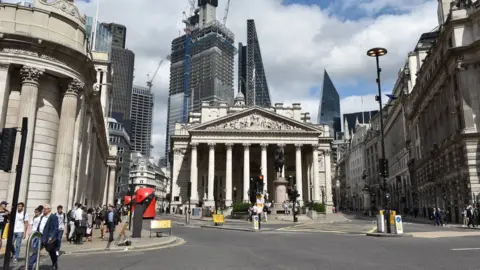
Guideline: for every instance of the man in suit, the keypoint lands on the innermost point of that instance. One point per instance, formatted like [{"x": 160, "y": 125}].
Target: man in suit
[
  {"x": 48, "y": 227},
  {"x": 112, "y": 221}
]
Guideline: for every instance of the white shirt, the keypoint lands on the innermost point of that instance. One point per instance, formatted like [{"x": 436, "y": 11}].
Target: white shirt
[
  {"x": 35, "y": 222},
  {"x": 78, "y": 214},
  {"x": 20, "y": 222},
  {"x": 43, "y": 223},
  {"x": 61, "y": 221}
]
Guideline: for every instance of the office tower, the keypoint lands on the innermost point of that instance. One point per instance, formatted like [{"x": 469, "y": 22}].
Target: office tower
[
  {"x": 141, "y": 116},
  {"x": 210, "y": 72},
  {"x": 119, "y": 34},
  {"x": 329, "y": 107},
  {"x": 362, "y": 118},
  {"x": 118, "y": 136},
  {"x": 252, "y": 81},
  {"x": 123, "y": 62},
  {"x": 103, "y": 38}
]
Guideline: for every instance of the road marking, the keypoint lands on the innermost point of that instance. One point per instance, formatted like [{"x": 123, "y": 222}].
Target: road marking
[
  {"x": 464, "y": 249},
  {"x": 372, "y": 230}
]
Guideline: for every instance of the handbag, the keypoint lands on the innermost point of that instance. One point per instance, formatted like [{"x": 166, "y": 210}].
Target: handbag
[{"x": 89, "y": 231}]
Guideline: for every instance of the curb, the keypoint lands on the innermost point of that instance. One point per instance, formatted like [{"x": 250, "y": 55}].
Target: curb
[
  {"x": 389, "y": 235},
  {"x": 233, "y": 229},
  {"x": 172, "y": 242}
]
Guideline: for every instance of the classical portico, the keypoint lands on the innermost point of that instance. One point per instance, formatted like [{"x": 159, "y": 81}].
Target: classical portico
[{"x": 222, "y": 147}]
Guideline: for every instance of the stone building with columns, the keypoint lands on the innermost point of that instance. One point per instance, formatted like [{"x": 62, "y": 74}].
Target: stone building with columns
[
  {"x": 48, "y": 75},
  {"x": 221, "y": 147}
]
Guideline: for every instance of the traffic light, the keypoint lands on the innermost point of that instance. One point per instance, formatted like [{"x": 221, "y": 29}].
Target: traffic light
[
  {"x": 252, "y": 189},
  {"x": 383, "y": 167},
  {"x": 7, "y": 147},
  {"x": 260, "y": 184}
]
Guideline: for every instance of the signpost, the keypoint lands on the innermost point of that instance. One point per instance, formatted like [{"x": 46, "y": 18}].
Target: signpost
[
  {"x": 218, "y": 219},
  {"x": 33, "y": 248},
  {"x": 398, "y": 224},
  {"x": 160, "y": 225},
  {"x": 255, "y": 223}
]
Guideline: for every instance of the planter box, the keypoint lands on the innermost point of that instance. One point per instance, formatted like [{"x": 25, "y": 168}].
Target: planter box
[{"x": 314, "y": 215}]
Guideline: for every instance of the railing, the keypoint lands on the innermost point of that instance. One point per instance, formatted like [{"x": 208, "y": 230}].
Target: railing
[{"x": 34, "y": 241}]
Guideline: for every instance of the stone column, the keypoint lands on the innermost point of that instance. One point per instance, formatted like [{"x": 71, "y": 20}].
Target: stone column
[
  {"x": 211, "y": 172},
  {"x": 328, "y": 182},
  {"x": 298, "y": 170},
  {"x": 63, "y": 158},
  {"x": 246, "y": 171},
  {"x": 316, "y": 176},
  {"x": 194, "y": 172},
  {"x": 228, "y": 176},
  {"x": 28, "y": 108},
  {"x": 264, "y": 165},
  {"x": 4, "y": 91},
  {"x": 111, "y": 184}
]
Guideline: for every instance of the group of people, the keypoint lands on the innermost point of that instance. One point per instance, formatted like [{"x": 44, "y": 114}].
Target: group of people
[{"x": 78, "y": 223}]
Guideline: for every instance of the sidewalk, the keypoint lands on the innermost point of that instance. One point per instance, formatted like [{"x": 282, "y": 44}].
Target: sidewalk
[{"x": 98, "y": 245}]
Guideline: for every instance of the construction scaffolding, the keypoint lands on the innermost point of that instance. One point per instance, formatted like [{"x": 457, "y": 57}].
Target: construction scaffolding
[{"x": 210, "y": 72}]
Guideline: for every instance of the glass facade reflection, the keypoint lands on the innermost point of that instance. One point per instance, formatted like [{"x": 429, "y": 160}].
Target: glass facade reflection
[
  {"x": 329, "y": 108},
  {"x": 103, "y": 40}
]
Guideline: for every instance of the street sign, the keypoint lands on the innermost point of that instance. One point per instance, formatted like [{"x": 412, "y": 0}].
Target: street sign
[
  {"x": 398, "y": 224},
  {"x": 218, "y": 218},
  {"x": 158, "y": 226},
  {"x": 255, "y": 222}
]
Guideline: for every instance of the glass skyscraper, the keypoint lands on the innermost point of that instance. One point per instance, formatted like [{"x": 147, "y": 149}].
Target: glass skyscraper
[
  {"x": 103, "y": 39},
  {"x": 329, "y": 107},
  {"x": 252, "y": 81}
]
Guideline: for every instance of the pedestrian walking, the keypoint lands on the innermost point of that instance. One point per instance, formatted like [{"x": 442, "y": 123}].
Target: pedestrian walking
[
  {"x": 112, "y": 221},
  {"x": 62, "y": 220},
  {"x": 19, "y": 230},
  {"x": 4, "y": 216},
  {"x": 48, "y": 226}
]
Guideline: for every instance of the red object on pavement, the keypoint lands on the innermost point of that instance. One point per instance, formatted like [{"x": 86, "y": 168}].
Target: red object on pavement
[{"x": 146, "y": 196}]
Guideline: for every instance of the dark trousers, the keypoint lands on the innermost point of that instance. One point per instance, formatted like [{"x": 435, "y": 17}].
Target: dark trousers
[
  {"x": 79, "y": 233},
  {"x": 111, "y": 231}
]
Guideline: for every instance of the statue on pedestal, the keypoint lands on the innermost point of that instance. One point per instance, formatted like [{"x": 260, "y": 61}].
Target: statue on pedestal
[
  {"x": 279, "y": 161},
  {"x": 280, "y": 183}
]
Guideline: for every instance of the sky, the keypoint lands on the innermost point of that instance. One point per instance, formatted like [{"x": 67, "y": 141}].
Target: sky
[{"x": 298, "y": 40}]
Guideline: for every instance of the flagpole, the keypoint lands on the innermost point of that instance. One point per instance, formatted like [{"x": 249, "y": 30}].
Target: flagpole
[
  {"x": 363, "y": 118},
  {"x": 95, "y": 27}
]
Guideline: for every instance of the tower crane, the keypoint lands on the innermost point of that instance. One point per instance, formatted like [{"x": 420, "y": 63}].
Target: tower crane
[
  {"x": 225, "y": 16},
  {"x": 150, "y": 80}
]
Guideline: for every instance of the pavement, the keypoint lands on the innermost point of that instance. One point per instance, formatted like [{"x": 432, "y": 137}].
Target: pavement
[
  {"x": 288, "y": 250},
  {"x": 98, "y": 245}
]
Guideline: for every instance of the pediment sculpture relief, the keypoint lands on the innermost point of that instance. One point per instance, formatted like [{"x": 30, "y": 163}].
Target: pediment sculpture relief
[{"x": 255, "y": 122}]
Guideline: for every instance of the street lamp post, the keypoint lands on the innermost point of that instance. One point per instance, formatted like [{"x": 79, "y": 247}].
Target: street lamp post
[{"x": 377, "y": 52}]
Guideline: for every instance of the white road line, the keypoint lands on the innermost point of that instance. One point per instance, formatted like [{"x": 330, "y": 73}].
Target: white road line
[{"x": 464, "y": 249}]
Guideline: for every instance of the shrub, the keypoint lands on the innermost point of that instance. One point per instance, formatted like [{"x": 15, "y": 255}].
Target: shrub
[
  {"x": 241, "y": 207},
  {"x": 319, "y": 207}
]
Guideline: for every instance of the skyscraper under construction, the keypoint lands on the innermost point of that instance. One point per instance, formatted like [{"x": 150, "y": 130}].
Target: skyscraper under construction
[
  {"x": 202, "y": 66},
  {"x": 252, "y": 81}
]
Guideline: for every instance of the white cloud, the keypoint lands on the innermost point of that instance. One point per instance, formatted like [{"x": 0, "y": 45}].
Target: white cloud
[{"x": 297, "y": 43}]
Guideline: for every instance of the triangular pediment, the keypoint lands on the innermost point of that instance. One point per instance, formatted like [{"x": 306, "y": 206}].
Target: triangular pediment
[{"x": 255, "y": 119}]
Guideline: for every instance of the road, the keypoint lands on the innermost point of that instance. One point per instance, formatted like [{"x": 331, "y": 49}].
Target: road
[{"x": 212, "y": 249}]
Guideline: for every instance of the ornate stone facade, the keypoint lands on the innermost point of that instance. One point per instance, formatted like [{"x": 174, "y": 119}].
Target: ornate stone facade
[
  {"x": 222, "y": 147},
  {"x": 67, "y": 157}
]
